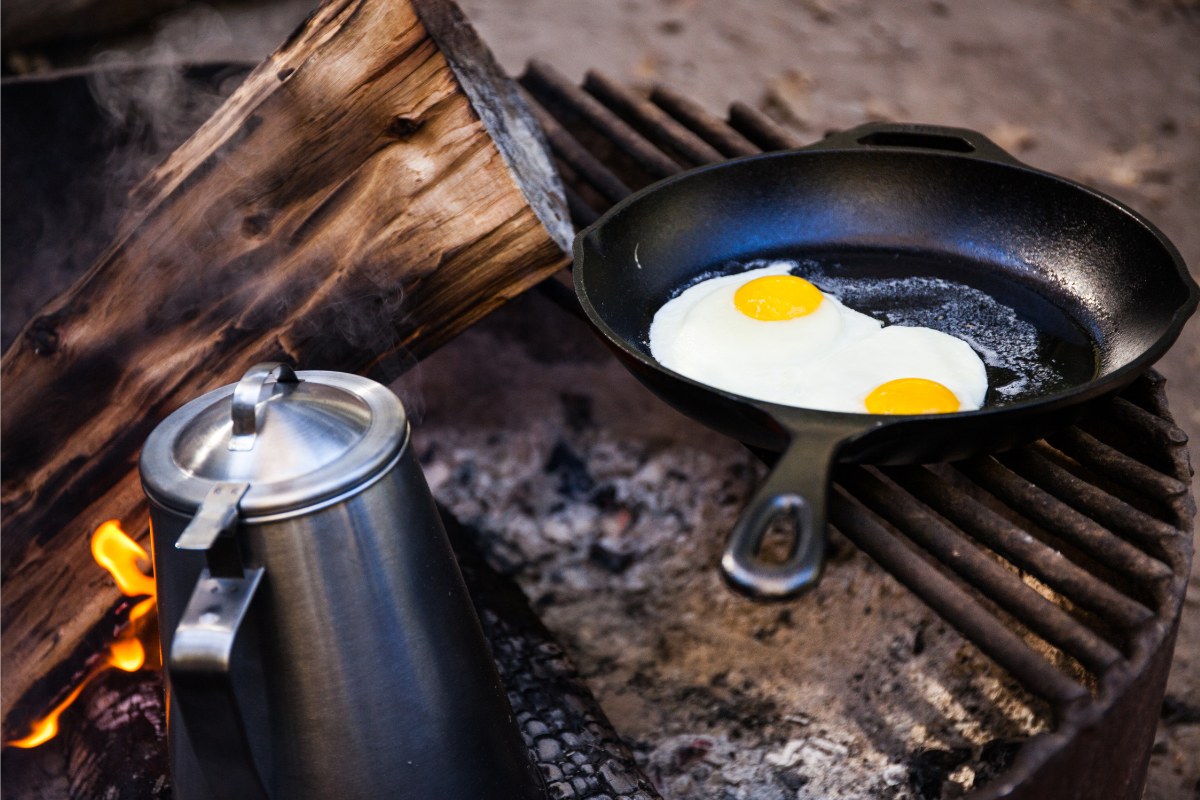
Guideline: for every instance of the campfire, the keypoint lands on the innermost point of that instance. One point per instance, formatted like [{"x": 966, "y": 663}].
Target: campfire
[
  {"x": 136, "y": 645},
  {"x": 1060, "y": 662}
]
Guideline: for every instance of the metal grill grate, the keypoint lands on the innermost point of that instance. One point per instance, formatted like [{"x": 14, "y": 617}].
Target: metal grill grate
[{"x": 1098, "y": 516}]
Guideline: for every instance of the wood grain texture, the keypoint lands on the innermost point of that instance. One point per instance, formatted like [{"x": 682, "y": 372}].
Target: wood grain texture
[{"x": 346, "y": 202}]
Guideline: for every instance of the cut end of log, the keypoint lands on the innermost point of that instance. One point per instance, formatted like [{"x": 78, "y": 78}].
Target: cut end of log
[{"x": 504, "y": 113}]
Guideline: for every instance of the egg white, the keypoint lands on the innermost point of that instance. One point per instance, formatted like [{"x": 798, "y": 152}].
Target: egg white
[
  {"x": 701, "y": 334},
  {"x": 841, "y": 380}
]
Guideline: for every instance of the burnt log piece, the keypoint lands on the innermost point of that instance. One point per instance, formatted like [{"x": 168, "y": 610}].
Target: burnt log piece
[
  {"x": 570, "y": 739},
  {"x": 372, "y": 188},
  {"x": 112, "y": 744}
]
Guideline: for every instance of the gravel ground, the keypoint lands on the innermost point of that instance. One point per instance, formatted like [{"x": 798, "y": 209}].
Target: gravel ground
[{"x": 1104, "y": 92}]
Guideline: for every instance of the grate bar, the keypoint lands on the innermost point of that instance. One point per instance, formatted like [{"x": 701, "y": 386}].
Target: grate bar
[
  {"x": 760, "y": 130},
  {"x": 1161, "y": 431},
  {"x": 1149, "y": 388},
  {"x": 1000, "y": 585},
  {"x": 1112, "y": 463},
  {"x": 953, "y": 603},
  {"x": 650, "y": 119},
  {"x": 568, "y": 149},
  {"x": 546, "y": 83},
  {"x": 1065, "y": 522},
  {"x": 561, "y": 295},
  {"x": 1036, "y": 463},
  {"x": 710, "y": 128},
  {"x": 581, "y": 213},
  {"x": 1018, "y": 546}
]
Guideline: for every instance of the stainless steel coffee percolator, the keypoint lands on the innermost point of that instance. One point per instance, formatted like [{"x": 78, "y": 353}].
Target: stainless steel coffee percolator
[{"x": 317, "y": 636}]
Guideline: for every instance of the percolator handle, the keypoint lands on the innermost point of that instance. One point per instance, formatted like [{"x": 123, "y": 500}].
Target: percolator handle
[
  {"x": 200, "y": 663},
  {"x": 201, "y": 679}
]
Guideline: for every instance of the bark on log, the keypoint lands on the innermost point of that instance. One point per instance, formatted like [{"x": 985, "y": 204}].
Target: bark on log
[
  {"x": 73, "y": 144},
  {"x": 374, "y": 186}
]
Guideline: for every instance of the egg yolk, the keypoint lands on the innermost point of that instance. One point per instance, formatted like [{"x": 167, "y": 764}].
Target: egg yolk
[
  {"x": 773, "y": 298},
  {"x": 911, "y": 396}
]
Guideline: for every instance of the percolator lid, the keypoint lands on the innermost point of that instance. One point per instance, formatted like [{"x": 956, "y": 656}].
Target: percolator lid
[{"x": 308, "y": 437}]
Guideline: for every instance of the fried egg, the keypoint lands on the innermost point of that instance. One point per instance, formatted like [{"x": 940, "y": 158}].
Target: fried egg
[
  {"x": 896, "y": 370},
  {"x": 741, "y": 333},
  {"x": 770, "y": 335}
]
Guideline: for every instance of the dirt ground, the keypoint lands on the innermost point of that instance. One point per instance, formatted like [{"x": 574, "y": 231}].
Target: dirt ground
[{"x": 1107, "y": 93}]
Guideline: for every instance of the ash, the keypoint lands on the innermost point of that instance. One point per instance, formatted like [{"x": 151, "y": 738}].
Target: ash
[{"x": 610, "y": 510}]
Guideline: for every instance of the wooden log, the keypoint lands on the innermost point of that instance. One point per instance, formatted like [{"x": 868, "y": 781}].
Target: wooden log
[
  {"x": 373, "y": 187},
  {"x": 31, "y": 23}
]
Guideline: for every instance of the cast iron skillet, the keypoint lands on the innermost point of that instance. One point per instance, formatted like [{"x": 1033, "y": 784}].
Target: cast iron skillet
[{"x": 1105, "y": 291}]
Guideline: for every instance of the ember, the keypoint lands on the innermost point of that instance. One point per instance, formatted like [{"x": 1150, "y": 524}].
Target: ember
[{"x": 114, "y": 550}]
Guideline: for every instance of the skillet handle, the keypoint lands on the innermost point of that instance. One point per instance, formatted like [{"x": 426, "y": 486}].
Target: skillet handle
[
  {"x": 880, "y": 135},
  {"x": 798, "y": 485}
]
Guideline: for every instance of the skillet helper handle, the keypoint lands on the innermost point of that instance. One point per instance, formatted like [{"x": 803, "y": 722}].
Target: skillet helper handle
[
  {"x": 202, "y": 683},
  {"x": 797, "y": 486},
  {"x": 940, "y": 138}
]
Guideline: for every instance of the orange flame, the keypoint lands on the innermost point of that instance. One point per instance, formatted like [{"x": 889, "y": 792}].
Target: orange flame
[
  {"x": 121, "y": 556},
  {"x": 46, "y": 728}
]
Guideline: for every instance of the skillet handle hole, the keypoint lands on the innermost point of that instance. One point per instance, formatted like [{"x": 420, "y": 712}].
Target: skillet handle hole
[
  {"x": 926, "y": 141},
  {"x": 781, "y": 537}
]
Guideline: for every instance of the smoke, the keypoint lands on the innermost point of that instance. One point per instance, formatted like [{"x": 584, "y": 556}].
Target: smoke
[
  {"x": 132, "y": 107},
  {"x": 76, "y": 143},
  {"x": 156, "y": 92}
]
